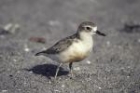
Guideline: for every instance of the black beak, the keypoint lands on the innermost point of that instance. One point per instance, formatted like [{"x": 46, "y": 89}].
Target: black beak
[{"x": 100, "y": 33}]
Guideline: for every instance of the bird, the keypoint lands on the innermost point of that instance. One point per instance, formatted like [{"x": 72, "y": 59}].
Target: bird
[{"x": 74, "y": 48}]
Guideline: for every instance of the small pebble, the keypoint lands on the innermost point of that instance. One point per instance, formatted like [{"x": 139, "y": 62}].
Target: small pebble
[
  {"x": 77, "y": 68},
  {"x": 88, "y": 79},
  {"x": 63, "y": 86},
  {"x": 26, "y": 48},
  {"x": 57, "y": 90},
  {"x": 108, "y": 43},
  {"x": 11, "y": 27},
  {"x": 139, "y": 40},
  {"x": 4, "y": 91},
  {"x": 15, "y": 28},
  {"x": 8, "y": 27},
  {"x": 30, "y": 72},
  {"x": 19, "y": 89},
  {"x": 14, "y": 60},
  {"x": 128, "y": 76},
  {"x": 99, "y": 87},
  {"x": 54, "y": 22},
  {"x": 128, "y": 66},
  {"x": 88, "y": 62}
]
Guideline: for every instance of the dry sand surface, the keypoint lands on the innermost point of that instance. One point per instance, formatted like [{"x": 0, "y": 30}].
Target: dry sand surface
[{"x": 112, "y": 67}]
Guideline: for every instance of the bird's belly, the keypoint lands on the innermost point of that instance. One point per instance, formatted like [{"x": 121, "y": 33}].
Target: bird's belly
[
  {"x": 75, "y": 53},
  {"x": 76, "y": 57}
]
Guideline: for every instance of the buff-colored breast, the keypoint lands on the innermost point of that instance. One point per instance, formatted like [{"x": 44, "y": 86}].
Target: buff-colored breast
[{"x": 76, "y": 52}]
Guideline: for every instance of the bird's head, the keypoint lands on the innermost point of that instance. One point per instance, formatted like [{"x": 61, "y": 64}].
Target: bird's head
[{"x": 89, "y": 28}]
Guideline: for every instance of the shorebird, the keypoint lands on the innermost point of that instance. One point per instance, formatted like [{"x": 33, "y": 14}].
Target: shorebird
[{"x": 73, "y": 48}]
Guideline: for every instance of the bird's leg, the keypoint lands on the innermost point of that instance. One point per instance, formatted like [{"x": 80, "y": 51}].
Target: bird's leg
[
  {"x": 57, "y": 70},
  {"x": 71, "y": 69}
]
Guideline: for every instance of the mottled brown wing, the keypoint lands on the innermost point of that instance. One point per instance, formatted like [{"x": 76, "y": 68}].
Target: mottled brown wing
[{"x": 61, "y": 45}]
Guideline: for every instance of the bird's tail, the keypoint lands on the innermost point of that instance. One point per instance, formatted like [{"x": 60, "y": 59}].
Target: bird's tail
[{"x": 39, "y": 53}]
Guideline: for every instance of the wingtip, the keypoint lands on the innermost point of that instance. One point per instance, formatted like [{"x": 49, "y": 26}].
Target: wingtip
[
  {"x": 37, "y": 54},
  {"x": 40, "y": 53}
]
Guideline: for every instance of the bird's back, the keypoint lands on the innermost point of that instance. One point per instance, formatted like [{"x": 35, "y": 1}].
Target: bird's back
[{"x": 59, "y": 46}]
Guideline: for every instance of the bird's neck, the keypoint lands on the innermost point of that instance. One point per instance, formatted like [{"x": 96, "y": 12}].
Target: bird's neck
[{"x": 86, "y": 38}]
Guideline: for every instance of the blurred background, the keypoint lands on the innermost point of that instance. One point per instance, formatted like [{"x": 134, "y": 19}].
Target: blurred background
[{"x": 29, "y": 26}]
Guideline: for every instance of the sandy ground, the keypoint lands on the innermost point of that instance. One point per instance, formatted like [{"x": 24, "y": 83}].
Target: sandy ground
[{"x": 112, "y": 67}]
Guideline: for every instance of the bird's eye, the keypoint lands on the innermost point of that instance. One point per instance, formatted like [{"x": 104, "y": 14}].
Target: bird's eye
[{"x": 88, "y": 28}]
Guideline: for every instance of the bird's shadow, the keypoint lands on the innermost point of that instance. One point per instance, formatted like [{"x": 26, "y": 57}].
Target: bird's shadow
[{"x": 47, "y": 70}]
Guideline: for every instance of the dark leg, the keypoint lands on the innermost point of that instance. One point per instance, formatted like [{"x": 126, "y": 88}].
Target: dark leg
[{"x": 71, "y": 69}]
